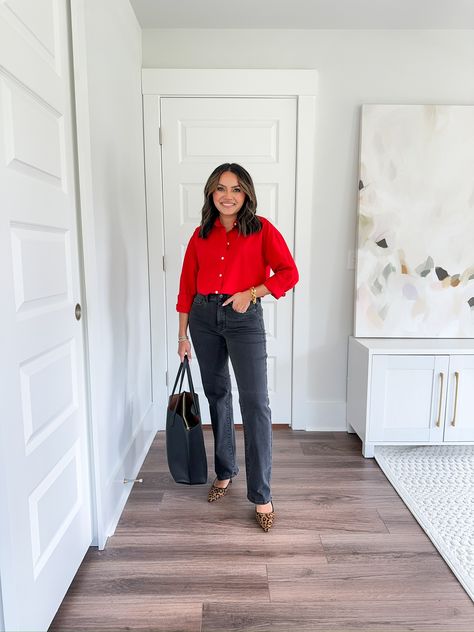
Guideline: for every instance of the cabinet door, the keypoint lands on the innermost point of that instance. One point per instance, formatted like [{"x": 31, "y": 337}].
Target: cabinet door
[
  {"x": 459, "y": 425},
  {"x": 408, "y": 398}
]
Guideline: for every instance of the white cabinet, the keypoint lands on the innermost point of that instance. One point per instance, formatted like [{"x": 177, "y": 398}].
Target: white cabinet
[{"x": 410, "y": 391}]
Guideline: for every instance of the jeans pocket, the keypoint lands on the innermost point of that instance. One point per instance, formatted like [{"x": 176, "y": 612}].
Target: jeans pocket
[{"x": 251, "y": 309}]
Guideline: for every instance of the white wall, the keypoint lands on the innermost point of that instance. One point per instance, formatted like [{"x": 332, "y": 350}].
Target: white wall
[
  {"x": 107, "y": 57},
  {"x": 354, "y": 67}
]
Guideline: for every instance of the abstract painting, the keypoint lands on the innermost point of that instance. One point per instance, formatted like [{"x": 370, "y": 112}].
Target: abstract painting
[{"x": 415, "y": 256}]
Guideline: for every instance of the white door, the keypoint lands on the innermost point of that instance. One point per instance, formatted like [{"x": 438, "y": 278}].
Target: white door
[
  {"x": 459, "y": 424},
  {"x": 45, "y": 525},
  {"x": 198, "y": 134}
]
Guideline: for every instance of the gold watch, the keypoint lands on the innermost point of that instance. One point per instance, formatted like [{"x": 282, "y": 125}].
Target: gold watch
[{"x": 253, "y": 293}]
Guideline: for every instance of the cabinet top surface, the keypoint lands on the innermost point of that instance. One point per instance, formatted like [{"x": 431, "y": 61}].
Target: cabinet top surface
[{"x": 416, "y": 345}]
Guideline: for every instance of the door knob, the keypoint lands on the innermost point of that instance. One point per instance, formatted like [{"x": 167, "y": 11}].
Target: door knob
[{"x": 78, "y": 312}]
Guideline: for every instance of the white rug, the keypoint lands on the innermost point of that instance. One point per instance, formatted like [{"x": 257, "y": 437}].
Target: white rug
[{"x": 437, "y": 485}]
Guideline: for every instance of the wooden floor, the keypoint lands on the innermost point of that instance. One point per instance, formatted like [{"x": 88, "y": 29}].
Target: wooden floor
[{"x": 344, "y": 554}]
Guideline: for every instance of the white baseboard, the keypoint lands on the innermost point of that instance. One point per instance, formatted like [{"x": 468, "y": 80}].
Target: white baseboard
[
  {"x": 2, "y": 624},
  {"x": 131, "y": 465},
  {"x": 322, "y": 416}
]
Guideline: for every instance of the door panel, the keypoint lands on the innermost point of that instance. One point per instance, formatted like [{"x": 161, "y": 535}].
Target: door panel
[
  {"x": 407, "y": 398},
  {"x": 44, "y": 479},
  {"x": 460, "y": 407},
  {"x": 199, "y": 134}
]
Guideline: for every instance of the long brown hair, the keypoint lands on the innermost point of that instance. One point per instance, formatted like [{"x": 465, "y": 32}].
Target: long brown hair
[{"x": 247, "y": 222}]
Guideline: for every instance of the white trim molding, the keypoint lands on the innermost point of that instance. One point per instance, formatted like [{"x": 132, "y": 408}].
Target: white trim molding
[
  {"x": 302, "y": 84},
  {"x": 226, "y": 83}
]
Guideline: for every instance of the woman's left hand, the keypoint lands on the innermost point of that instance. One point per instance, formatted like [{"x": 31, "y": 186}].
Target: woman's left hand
[{"x": 240, "y": 301}]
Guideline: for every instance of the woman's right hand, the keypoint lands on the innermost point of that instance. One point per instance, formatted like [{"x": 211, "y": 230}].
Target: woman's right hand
[{"x": 184, "y": 348}]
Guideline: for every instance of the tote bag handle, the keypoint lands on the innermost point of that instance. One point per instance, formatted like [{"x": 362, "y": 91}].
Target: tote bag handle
[{"x": 184, "y": 367}]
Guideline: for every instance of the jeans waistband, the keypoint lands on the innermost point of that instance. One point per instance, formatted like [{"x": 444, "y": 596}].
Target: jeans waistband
[
  {"x": 219, "y": 297},
  {"x": 216, "y": 297}
]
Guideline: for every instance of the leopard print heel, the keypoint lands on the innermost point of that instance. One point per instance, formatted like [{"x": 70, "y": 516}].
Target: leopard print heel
[
  {"x": 265, "y": 520},
  {"x": 215, "y": 493}
]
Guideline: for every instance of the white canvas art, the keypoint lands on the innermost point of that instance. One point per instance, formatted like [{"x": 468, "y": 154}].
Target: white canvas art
[{"x": 415, "y": 257}]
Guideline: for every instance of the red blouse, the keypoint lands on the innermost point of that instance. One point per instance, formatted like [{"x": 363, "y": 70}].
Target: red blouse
[{"x": 226, "y": 263}]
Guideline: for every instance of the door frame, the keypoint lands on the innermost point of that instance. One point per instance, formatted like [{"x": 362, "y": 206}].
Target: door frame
[{"x": 169, "y": 82}]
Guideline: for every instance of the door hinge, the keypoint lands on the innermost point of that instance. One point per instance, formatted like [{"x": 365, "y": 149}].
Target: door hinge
[
  {"x": 160, "y": 136},
  {"x": 164, "y": 265},
  {"x": 166, "y": 377}
]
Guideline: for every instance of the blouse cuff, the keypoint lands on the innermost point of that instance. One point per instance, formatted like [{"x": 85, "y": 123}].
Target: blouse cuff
[
  {"x": 184, "y": 303},
  {"x": 273, "y": 286}
]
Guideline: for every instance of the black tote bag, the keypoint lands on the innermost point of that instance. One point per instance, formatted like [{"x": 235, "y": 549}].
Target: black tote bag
[{"x": 185, "y": 448}]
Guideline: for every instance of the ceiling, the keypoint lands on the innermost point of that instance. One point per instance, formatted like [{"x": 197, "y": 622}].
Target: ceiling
[{"x": 305, "y": 14}]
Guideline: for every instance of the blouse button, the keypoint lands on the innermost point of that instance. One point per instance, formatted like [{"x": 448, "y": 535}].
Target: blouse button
[
  {"x": 220, "y": 274},
  {"x": 222, "y": 257},
  {"x": 227, "y": 243},
  {"x": 216, "y": 292}
]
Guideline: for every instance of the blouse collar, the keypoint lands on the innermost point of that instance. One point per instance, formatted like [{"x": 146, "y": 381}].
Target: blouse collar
[{"x": 218, "y": 222}]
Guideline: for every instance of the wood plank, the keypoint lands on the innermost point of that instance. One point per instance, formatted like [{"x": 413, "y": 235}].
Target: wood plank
[
  {"x": 333, "y": 448},
  {"x": 293, "y": 514},
  {"x": 354, "y": 581},
  {"x": 301, "y": 473},
  {"x": 122, "y": 612},
  {"x": 375, "y": 547},
  {"x": 287, "y": 546},
  {"x": 193, "y": 580},
  {"x": 399, "y": 520},
  {"x": 318, "y": 615}
]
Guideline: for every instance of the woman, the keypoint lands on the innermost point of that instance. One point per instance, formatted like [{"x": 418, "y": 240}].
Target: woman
[{"x": 226, "y": 271}]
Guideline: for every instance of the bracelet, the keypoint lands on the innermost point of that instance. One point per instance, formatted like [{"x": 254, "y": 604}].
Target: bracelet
[
  {"x": 253, "y": 294},
  {"x": 182, "y": 338}
]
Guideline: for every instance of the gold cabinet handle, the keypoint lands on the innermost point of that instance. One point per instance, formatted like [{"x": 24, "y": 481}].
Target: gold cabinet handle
[
  {"x": 456, "y": 375},
  {"x": 441, "y": 375}
]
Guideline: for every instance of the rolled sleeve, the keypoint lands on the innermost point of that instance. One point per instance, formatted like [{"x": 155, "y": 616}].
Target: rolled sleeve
[{"x": 278, "y": 256}]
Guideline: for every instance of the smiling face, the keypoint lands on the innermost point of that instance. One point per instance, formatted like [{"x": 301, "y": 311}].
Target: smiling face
[{"x": 228, "y": 197}]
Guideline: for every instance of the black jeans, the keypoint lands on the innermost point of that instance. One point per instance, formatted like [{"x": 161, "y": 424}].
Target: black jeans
[{"x": 218, "y": 332}]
